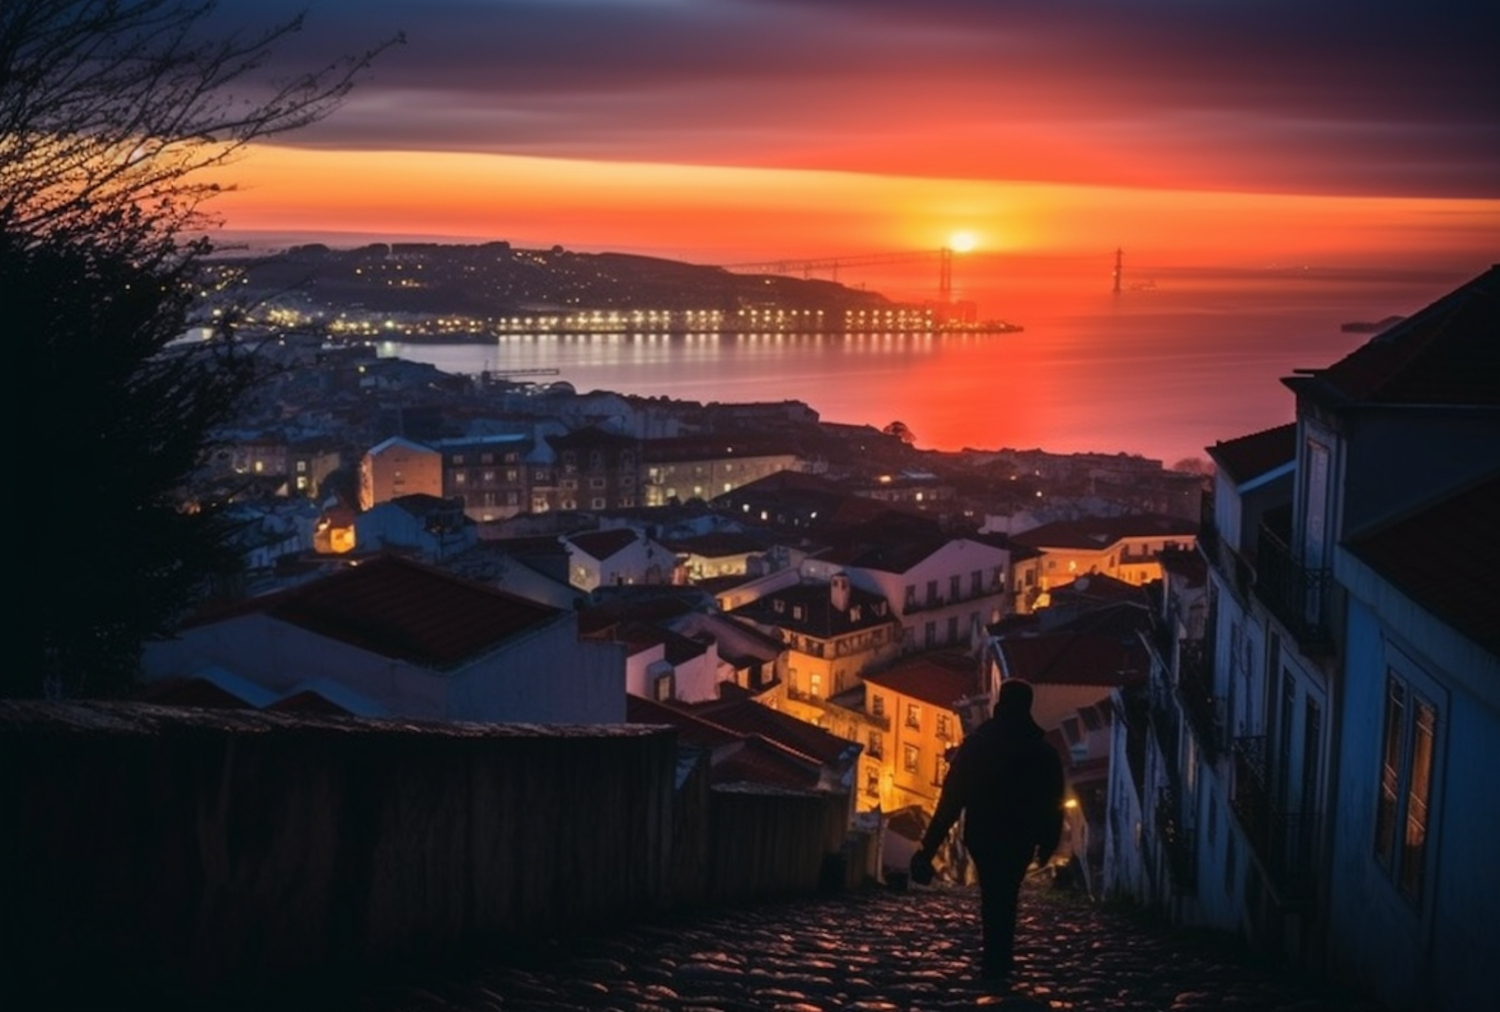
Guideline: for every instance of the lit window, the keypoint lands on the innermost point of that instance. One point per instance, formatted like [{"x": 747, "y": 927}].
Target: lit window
[
  {"x": 1406, "y": 779},
  {"x": 663, "y": 687}
]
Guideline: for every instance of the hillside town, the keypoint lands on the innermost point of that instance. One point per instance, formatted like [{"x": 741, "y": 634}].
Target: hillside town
[{"x": 1275, "y": 689}]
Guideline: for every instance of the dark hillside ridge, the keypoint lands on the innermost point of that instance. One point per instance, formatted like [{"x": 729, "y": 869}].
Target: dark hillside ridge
[{"x": 494, "y": 279}]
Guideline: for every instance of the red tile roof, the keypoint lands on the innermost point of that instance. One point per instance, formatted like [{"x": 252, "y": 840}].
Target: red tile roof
[
  {"x": 745, "y": 715},
  {"x": 691, "y": 729},
  {"x": 403, "y": 610},
  {"x": 939, "y": 679},
  {"x": 742, "y": 757},
  {"x": 1101, "y": 647},
  {"x": 766, "y": 763},
  {"x": 808, "y": 608},
  {"x": 1075, "y": 660},
  {"x": 1098, "y": 588},
  {"x": 1247, "y": 457},
  {"x": 1446, "y": 559}
]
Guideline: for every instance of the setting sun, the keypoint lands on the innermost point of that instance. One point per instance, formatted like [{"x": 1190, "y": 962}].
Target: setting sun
[{"x": 962, "y": 242}]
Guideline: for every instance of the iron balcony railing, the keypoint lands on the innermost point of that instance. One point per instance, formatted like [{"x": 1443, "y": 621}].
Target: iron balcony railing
[
  {"x": 1195, "y": 690},
  {"x": 1282, "y": 840},
  {"x": 1295, "y": 594},
  {"x": 1220, "y": 555},
  {"x": 919, "y": 604}
]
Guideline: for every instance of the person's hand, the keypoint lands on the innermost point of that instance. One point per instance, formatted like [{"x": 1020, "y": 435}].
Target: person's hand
[{"x": 921, "y": 868}]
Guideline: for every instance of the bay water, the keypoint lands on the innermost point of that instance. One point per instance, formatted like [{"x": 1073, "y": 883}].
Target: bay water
[{"x": 1164, "y": 368}]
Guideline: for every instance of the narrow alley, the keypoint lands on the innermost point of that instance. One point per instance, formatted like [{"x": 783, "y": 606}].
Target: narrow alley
[{"x": 872, "y": 951}]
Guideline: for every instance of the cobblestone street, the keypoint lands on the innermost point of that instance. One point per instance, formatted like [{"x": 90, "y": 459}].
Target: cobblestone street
[{"x": 874, "y": 951}]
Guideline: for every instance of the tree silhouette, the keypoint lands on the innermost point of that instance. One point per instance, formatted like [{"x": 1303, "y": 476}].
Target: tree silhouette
[
  {"x": 114, "y": 117},
  {"x": 120, "y": 420},
  {"x": 114, "y": 114},
  {"x": 901, "y": 432}
]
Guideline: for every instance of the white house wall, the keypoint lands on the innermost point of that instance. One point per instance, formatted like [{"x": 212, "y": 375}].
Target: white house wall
[
  {"x": 638, "y": 678},
  {"x": 698, "y": 679},
  {"x": 279, "y": 656},
  {"x": 547, "y": 677},
  {"x": 960, "y": 558},
  {"x": 1124, "y": 874},
  {"x": 1378, "y": 938},
  {"x": 1217, "y": 903}
]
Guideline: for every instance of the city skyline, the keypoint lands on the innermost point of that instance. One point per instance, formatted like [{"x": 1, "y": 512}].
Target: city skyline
[{"x": 714, "y": 130}]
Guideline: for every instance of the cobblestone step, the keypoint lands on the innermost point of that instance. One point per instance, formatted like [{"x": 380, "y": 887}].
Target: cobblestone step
[{"x": 875, "y": 951}]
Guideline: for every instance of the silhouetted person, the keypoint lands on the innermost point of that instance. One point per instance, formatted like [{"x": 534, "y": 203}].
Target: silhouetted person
[{"x": 1008, "y": 782}]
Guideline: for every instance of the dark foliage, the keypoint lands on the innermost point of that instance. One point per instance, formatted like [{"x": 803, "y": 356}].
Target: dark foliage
[
  {"x": 115, "y": 118},
  {"x": 119, "y": 418}
]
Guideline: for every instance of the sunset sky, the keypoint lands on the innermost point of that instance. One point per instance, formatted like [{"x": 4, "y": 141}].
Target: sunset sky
[{"x": 1203, "y": 132}]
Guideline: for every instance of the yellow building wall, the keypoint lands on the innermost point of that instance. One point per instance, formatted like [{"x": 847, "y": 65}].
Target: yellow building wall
[{"x": 928, "y": 729}]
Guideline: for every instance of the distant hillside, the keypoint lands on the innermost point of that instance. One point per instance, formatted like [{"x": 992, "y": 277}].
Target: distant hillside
[{"x": 493, "y": 279}]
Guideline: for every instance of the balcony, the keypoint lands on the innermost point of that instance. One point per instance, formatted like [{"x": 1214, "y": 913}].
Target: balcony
[
  {"x": 1282, "y": 840},
  {"x": 1220, "y": 555},
  {"x": 917, "y": 605},
  {"x": 1195, "y": 690},
  {"x": 1177, "y": 841},
  {"x": 1298, "y": 596}
]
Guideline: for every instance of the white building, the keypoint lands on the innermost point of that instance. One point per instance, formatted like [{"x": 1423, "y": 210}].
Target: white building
[
  {"x": 417, "y": 642},
  {"x": 617, "y": 557},
  {"x": 399, "y": 467},
  {"x": 943, "y": 589},
  {"x": 1332, "y": 737},
  {"x": 434, "y": 528}
]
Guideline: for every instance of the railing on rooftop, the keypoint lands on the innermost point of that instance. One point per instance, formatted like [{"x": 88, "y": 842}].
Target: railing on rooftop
[
  {"x": 1282, "y": 840},
  {"x": 1295, "y": 594}
]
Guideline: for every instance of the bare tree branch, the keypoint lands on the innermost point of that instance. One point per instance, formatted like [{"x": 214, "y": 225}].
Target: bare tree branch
[{"x": 113, "y": 113}]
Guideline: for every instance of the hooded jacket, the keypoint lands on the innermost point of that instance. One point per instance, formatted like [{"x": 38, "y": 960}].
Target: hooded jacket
[{"x": 1009, "y": 783}]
